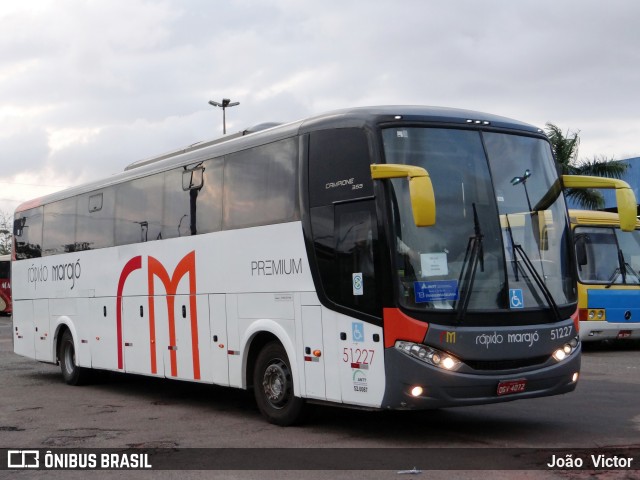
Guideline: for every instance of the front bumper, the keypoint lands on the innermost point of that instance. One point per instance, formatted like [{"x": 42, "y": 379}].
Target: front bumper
[{"x": 443, "y": 388}]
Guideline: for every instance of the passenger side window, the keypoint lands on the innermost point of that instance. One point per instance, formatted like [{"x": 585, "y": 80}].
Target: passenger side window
[
  {"x": 27, "y": 231},
  {"x": 60, "y": 227},
  {"x": 96, "y": 220},
  {"x": 139, "y": 210},
  {"x": 260, "y": 185},
  {"x": 193, "y": 199}
]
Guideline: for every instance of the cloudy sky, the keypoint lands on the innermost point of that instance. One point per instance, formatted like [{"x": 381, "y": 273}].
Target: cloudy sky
[{"x": 87, "y": 87}]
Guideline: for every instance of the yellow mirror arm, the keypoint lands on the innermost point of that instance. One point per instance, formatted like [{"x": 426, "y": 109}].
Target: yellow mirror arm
[
  {"x": 625, "y": 198},
  {"x": 423, "y": 201}
]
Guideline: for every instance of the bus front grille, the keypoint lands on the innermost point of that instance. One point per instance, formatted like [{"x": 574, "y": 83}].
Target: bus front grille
[{"x": 506, "y": 364}]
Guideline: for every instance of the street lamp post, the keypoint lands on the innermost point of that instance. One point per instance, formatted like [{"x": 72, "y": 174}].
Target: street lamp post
[
  {"x": 523, "y": 180},
  {"x": 225, "y": 103}
]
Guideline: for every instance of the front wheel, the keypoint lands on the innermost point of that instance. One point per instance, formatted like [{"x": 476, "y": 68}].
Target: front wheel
[
  {"x": 273, "y": 386},
  {"x": 71, "y": 372}
]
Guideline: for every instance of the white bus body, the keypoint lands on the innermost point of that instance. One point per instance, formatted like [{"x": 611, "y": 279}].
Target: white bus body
[{"x": 292, "y": 262}]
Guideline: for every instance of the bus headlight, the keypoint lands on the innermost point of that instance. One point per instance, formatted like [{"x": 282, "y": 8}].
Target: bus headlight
[
  {"x": 566, "y": 350},
  {"x": 429, "y": 355},
  {"x": 559, "y": 354},
  {"x": 599, "y": 314}
]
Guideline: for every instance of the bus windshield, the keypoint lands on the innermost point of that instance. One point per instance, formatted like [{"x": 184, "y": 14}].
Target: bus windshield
[
  {"x": 608, "y": 255},
  {"x": 501, "y": 232}
]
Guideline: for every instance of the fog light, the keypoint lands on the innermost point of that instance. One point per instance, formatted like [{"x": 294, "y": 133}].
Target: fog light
[
  {"x": 416, "y": 391},
  {"x": 574, "y": 379}
]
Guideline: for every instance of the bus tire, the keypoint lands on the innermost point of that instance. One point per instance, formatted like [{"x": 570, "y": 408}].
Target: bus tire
[
  {"x": 273, "y": 386},
  {"x": 71, "y": 373}
]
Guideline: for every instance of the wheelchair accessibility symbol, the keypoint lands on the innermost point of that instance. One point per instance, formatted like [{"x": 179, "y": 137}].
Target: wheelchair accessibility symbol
[
  {"x": 357, "y": 332},
  {"x": 516, "y": 299}
]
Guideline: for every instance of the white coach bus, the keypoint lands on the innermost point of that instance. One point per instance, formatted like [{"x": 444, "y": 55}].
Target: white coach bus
[{"x": 306, "y": 261}]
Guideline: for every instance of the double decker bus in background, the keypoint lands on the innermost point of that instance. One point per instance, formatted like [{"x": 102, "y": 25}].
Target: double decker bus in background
[
  {"x": 608, "y": 262},
  {"x": 362, "y": 257},
  {"x": 5, "y": 285}
]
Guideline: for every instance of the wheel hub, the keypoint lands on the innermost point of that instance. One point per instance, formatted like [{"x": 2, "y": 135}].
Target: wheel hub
[{"x": 275, "y": 384}]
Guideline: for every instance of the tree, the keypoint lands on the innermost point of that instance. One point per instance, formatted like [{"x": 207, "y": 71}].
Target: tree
[
  {"x": 565, "y": 148},
  {"x": 6, "y": 228}
]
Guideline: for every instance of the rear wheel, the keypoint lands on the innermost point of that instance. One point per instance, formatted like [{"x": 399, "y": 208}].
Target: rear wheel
[
  {"x": 273, "y": 386},
  {"x": 71, "y": 372}
]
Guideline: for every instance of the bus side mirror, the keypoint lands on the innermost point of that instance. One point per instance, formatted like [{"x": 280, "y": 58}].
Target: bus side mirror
[
  {"x": 423, "y": 200},
  {"x": 18, "y": 226},
  {"x": 193, "y": 178},
  {"x": 625, "y": 198}
]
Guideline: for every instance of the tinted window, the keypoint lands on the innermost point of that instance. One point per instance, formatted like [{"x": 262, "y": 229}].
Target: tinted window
[
  {"x": 198, "y": 207},
  {"x": 60, "y": 227},
  {"x": 339, "y": 166},
  {"x": 260, "y": 185},
  {"x": 346, "y": 246},
  {"x": 139, "y": 210},
  {"x": 178, "y": 206},
  {"x": 96, "y": 220},
  {"x": 5, "y": 270},
  {"x": 27, "y": 232}
]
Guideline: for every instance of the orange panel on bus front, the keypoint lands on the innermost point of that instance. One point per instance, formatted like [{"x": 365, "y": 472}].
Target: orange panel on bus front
[{"x": 398, "y": 326}]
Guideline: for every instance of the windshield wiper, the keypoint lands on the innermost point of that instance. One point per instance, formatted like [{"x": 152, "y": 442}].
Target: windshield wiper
[
  {"x": 629, "y": 268},
  {"x": 517, "y": 249},
  {"x": 623, "y": 269},
  {"x": 473, "y": 256},
  {"x": 620, "y": 270}
]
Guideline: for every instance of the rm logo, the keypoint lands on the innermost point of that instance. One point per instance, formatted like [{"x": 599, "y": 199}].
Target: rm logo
[
  {"x": 186, "y": 266},
  {"x": 447, "y": 337}
]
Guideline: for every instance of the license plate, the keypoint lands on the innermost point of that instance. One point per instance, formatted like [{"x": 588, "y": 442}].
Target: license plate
[{"x": 511, "y": 386}]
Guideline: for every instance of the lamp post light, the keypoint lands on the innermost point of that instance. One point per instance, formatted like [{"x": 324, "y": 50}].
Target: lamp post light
[
  {"x": 225, "y": 103},
  {"x": 523, "y": 180}
]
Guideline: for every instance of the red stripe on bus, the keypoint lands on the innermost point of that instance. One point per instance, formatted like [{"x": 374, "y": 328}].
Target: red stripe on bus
[
  {"x": 134, "y": 264},
  {"x": 29, "y": 204},
  {"x": 398, "y": 326},
  {"x": 186, "y": 266}
]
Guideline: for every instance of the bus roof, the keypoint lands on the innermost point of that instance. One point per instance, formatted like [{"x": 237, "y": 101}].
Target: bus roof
[
  {"x": 352, "y": 117},
  {"x": 595, "y": 217}
]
